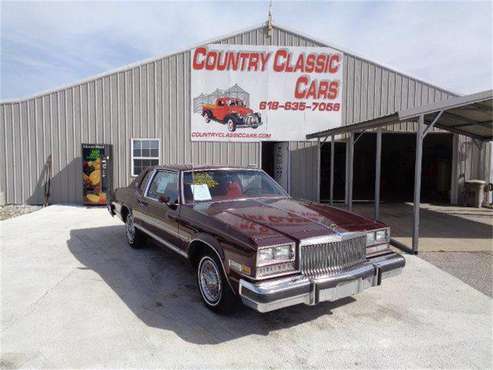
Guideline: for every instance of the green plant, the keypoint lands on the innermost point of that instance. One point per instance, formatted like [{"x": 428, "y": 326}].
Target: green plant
[{"x": 200, "y": 178}]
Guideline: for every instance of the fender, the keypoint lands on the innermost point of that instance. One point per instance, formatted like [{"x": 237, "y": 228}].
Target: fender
[
  {"x": 210, "y": 241},
  {"x": 118, "y": 209},
  {"x": 213, "y": 244},
  {"x": 230, "y": 115}
]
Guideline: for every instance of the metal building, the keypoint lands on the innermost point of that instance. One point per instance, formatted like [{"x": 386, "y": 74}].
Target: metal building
[{"x": 152, "y": 99}]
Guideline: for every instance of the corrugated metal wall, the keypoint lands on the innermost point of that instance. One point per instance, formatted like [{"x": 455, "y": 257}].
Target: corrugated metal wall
[
  {"x": 472, "y": 161},
  {"x": 372, "y": 91},
  {"x": 148, "y": 101},
  {"x": 304, "y": 169},
  {"x": 152, "y": 100}
]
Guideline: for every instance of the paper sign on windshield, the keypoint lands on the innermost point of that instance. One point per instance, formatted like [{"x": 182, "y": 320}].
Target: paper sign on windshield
[{"x": 201, "y": 192}]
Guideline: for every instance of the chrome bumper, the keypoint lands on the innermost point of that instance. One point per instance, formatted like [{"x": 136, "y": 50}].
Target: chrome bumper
[{"x": 275, "y": 294}]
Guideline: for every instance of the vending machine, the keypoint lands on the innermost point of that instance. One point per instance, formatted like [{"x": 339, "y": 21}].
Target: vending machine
[{"x": 97, "y": 173}]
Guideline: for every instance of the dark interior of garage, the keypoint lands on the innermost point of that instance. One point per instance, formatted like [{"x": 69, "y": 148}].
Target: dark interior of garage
[
  {"x": 268, "y": 157},
  {"x": 397, "y": 177}
]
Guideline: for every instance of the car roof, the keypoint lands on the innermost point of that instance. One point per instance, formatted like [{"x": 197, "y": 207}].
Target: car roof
[{"x": 188, "y": 167}]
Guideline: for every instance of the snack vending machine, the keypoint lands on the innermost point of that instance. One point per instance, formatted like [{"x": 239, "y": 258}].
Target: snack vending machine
[{"x": 97, "y": 173}]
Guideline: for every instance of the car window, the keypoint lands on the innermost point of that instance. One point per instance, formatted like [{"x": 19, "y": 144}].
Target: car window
[
  {"x": 164, "y": 183},
  {"x": 144, "y": 181},
  {"x": 215, "y": 185}
]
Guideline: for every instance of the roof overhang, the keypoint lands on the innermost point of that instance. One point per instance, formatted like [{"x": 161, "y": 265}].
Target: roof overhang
[{"x": 470, "y": 115}]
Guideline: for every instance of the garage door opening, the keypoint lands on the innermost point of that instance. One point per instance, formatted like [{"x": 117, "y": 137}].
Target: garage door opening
[
  {"x": 275, "y": 161},
  {"x": 398, "y": 154}
]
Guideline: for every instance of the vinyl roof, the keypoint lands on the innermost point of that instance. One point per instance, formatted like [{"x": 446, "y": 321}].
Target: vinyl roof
[
  {"x": 470, "y": 115},
  {"x": 189, "y": 167}
]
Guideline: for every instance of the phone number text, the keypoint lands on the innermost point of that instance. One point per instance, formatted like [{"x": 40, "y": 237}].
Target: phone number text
[{"x": 301, "y": 106}]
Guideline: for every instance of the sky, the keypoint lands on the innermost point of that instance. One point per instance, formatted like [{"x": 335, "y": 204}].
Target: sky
[{"x": 45, "y": 45}]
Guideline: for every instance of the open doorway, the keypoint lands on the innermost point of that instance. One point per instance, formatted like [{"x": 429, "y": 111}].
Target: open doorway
[
  {"x": 398, "y": 160},
  {"x": 275, "y": 161},
  {"x": 339, "y": 171},
  {"x": 397, "y": 173}
]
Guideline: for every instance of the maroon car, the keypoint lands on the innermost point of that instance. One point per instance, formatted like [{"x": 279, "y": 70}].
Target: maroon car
[{"x": 247, "y": 239}]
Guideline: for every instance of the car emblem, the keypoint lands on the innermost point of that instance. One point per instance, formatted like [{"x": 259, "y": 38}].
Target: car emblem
[{"x": 333, "y": 227}]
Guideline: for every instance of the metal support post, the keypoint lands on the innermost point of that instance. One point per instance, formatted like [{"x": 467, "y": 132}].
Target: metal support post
[
  {"x": 378, "y": 158},
  {"x": 417, "y": 182},
  {"x": 432, "y": 124},
  {"x": 350, "y": 171},
  {"x": 319, "y": 167},
  {"x": 346, "y": 174},
  {"x": 332, "y": 153},
  {"x": 359, "y": 136},
  {"x": 481, "y": 167}
]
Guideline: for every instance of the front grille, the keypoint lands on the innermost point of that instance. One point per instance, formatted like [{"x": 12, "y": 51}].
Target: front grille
[{"x": 333, "y": 256}]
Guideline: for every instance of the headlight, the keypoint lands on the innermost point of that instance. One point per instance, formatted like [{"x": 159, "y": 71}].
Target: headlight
[
  {"x": 279, "y": 253},
  {"x": 381, "y": 236},
  {"x": 275, "y": 260},
  {"x": 377, "y": 237},
  {"x": 264, "y": 256}
]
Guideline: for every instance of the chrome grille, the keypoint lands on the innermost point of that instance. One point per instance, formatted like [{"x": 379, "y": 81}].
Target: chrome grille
[{"x": 333, "y": 256}]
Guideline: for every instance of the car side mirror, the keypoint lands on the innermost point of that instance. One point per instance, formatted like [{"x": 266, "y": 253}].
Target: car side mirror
[{"x": 166, "y": 200}]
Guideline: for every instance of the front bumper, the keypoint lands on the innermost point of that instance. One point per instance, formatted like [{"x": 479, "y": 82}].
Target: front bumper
[{"x": 275, "y": 294}]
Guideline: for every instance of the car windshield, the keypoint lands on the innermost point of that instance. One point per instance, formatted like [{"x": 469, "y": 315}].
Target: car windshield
[{"x": 216, "y": 185}]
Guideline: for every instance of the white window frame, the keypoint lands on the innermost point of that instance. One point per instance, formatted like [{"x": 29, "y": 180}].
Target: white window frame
[{"x": 132, "y": 152}]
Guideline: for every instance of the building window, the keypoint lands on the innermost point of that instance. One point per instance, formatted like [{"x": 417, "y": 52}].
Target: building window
[{"x": 145, "y": 153}]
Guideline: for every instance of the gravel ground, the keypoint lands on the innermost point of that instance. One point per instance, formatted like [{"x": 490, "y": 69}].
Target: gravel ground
[
  {"x": 11, "y": 211},
  {"x": 473, "y": 268}
]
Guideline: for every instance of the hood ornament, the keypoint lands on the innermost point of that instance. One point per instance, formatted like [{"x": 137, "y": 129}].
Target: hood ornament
[{"x": 333, "y": 228}]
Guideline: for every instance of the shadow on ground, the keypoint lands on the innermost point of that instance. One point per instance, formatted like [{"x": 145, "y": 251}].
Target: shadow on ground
[{"x": 158, "y": 287}]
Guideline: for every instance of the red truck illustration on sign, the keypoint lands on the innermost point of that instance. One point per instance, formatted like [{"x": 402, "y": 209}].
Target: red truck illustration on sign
[{"x": 232, "y": 112}]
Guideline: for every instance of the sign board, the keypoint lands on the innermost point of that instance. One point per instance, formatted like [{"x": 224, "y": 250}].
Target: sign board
[{"x": 264, "y": 93}]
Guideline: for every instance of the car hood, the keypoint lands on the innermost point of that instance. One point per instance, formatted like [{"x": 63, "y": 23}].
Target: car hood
[{"x": 270, "y": 220}]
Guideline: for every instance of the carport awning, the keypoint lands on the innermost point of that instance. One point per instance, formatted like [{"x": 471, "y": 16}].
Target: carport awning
[{"x": 470, "y": 115}]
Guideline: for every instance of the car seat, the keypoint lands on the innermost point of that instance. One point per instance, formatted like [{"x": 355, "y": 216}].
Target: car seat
[{"x": 233, "y": 189}]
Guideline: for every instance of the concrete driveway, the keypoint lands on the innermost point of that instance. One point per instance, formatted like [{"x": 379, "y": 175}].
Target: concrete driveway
[
  {"x": 74, "y": 295},
  {"x": 443, "y": 228}
]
